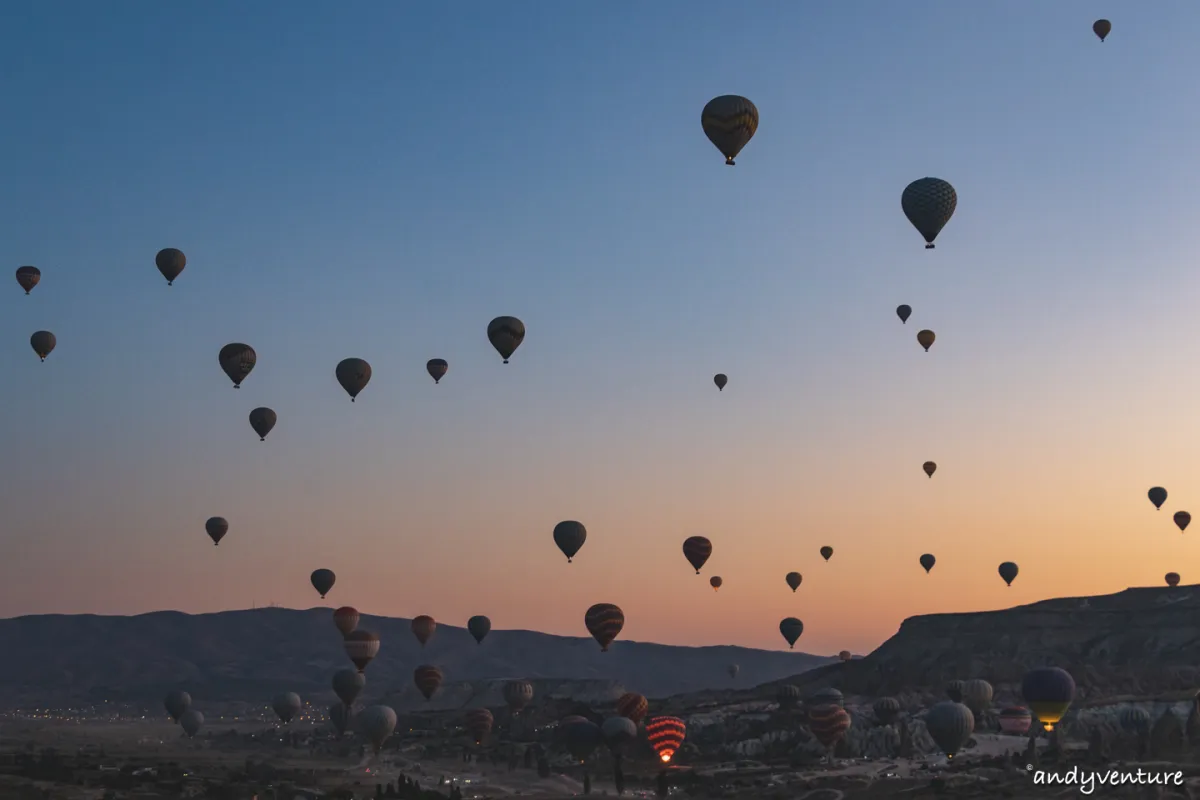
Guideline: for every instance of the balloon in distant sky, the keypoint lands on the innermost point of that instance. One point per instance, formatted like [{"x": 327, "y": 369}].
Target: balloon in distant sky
[
  {"x": 1157, "y": 495},
  {"x": 927, "y": 561},
  {"x": 697, "y": 549},
  {"x": 216, "y": 528},
  {"x": 793, "y": 580},
  {"x": 715, "y": 582},
  {"x": 262, "y": 420},
  {"x": 791, "y": 628},
  {"x": 346, "y": 619},
  {"x": 1102, "y": 28},
  {"x": 903, "y": 312},
  {"x": 929, "y": 204},
  {"x": 322, "y": 581},
  {"x": 1172, "y": 579},
  {"x": 506, "y": 335},
  {"x": 427, "y": 679},
  {"x": 361, "y": 646},
  {"x": 720, "y": 379},
  {"x": 1182, "y": 519},
  {"x": 929, "y": 467},
  {"x": 1008, "y": 571},
  {"x": 604, "y": 621},
  {"x": 353, "y": 374},
  {"x": 479, "y": 626},
  {"x": 43, "y": 343},
  {"x": 826, "y": 552},
  {"x": 926, "y": 339},
  {"x": 845, "y": 655},
  {"x": 436, "y": 367},
  {"x": 28, "y": 277},
  {"x": 423, "y": 628},
  {"x": 729, "y": 122},
  {"x": 237, "y": 360},
  {"x": 570, "y": 536},
  {"x": 170, "y": 263}
]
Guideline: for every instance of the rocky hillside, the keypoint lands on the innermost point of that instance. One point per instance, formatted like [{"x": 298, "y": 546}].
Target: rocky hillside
[{"x": 237, "y": 655}]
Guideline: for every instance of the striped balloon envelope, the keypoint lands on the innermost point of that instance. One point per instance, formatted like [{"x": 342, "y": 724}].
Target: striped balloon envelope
[
  {"x": 697, "y": 549},
  {"x": 423, "y": 628},
  {"x": 478, "y": 722},
  {"x": 666, "y": 735},
  {"x": 1015, "y": 720},
  {"x": 604, "y": 621},
  {"x": 361, "y": 646},
  {"x": 633, "y": 706},
  {"x": 828, "y": 723},
  {"x": 346, "y": 619},
  {"x": 427, "y": 678},
  {"x": 518, "y": 694}
]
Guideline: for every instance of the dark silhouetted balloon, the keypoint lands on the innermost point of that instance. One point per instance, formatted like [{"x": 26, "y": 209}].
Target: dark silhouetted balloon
[
  {"x": 506, "y": 335},
  {"x": 170, "y": 263},
  {"x": 286, "y": 705},
  {"x": 791, "y": 628},
  {"x": 828, "y": 723},
  {"x": 1048, "y": 691},
  {"x": 720, "y": 379},
  {"x": 29, "y": 277},
  {"x": 478, "y": 722},
  {"x": 340, "y": 717},
  {"x": 262, "y": 420},
  {"x": 904, "y": 312},
  {"x": 633, "y": 706},
  {"x": 1008, "y": 571},
  {"x": 793, "y": 580},
  {"x": 845, "y": 655},
  {"x": 927, "y": 561},
  {"x": 427, "y": 679},
  {"x": 729, "y": 122},
  {"x": 582, "y": 736},
  {"x": 479, "y": 627},
  {"x": 715, "y": 582},
  {"x": 423, "y": 628},
  {"x": 518, "y": 694},
  {"x": 618, "y": 731},
  {"x": 929, "y": 467},
  {"x": 929, "y": 204},
  {"x": 1102, "y": 28},
  {"x": 191, "y": 721},
  {"x": 237, "y": 360},
  {"x": 1134, "y": 719},
  {"x": 570, "y": 536},
  {"x": 977, "y": 696},
  {"x": 216, "y": 528},
  {"x": 926, "y": 339},
  {"x": 955, "y": 689},
  {"x": 361, "y": 646},
  {"x": 346, "y": 619},
  {"x": 1172, "y": 579},
  {"x": 604, "y": 621},
  {"x": 1015, "y": 720},
  {"x": 697, "y": 549},
  {"x": 378, "y": 723},
  {"x": 1182, "y": 519},
  {"x": 353, "y": 374},
  {"x": 886, "y": 710},
  {"x": 348, "y": 683},
  {"x": 787, "y": 696},
  {"x": 950, "y": 725},
  {"x": 43, "y": 343},
  {"x": 1158, "y": 496},
  {"x": 826, "y": 552},
  {"x": 322, "y": 581},
  {"x": 177, "y": 702},
  {"x": 436, "y": 367}
]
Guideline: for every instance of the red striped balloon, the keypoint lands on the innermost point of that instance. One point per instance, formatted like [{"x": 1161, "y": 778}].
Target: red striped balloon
[
  {"x": 479, "y": 724},
  {"x": 346, "y": 619},
  {"x": 632, "y": 706},
  {"x": 361, "y": 646},
  {"x": 828, "y": 723},
  {"x": 427, "y": 678},
  {"x": 604, "y": 621},
  {"x": 666, "y": 735},
  {"x": 697, "y": 549}
]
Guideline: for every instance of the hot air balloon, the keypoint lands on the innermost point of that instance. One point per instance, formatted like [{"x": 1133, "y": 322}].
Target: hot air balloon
[
  {"x": 954, "y": 690},
  {"x": 191, "y": 721},
  {"x": 1134, "y": 719},
  {"x": 436, "y": 367},
  {"x": 720, "y": 379},
  {"x": 1102, "y": 28},
  {"x": 346, "y": 619},
  {"x": 348, "y": 683},
  {"x": 1158, "y": 496},
  {"x": 1015, "y": 720},
  {"x": 286, "y": 705},
  {"x": 791, "y": 628},
  {"x": 926, "y": 338},
  {"x": 697, "y": 549},
  {"x": 28, "y": 277},
  {"x": 826, "y": 552},
  {"x": 617, "y": 732},
  {"x": 43, "y": 343},
  {"x": 715, "y": 582},
  {"x": 170, "y": 263},
  {"x": 361, "y": 646},
  {"x": 929, "y": 204},
  {"x": 788, "y": 696},
  {"x": 977, "y": 696},
  {"x": 793, "y": 580},
  {"x": 1172, "y": 579},
  {"x": 1048, "y": 691},
  {"x": 216, "y": 528},
  {"x": 845, "y": 655},
  {"x": 927, "y": 561},
  {"x": 1008, "y": 571},
  {"x": 827, "y": 697},
  {"x": 339, "y": 716},
  {"x": 733, "y": 670},
  {"x": 237, "y": 360},
  {"x": 886, "y": 710},
  {"x": 427, "y": 678},
  {"x": 929, "y": 467},
  {"x": 176, "y": 702},
  {"x": 828, "y": 723},
  {"x": 570, "y": 536},
  {"x": 729, "y": 122},
  {"x": 1182, "y": 519},
  {"x": 506, "y": 335},
  {"x": 378, "y": 723},
  {"x": 262, "y": 420},
  {"x": 322, "y": 580},
  {"x": 632, "y": 706},
  {"x": 353, "y": 374},
  {"x": 518, "y": 694},
  {"x": 950, "y": 725},
  {"x": 666, "y": 736},
  {"x": 581, "y": 737},
  {"x": 903, "y": 312},
  {"x": 423, "y": 627},
  {"x": 604, "y": 621},
  {"x": 478, "y": 722},
  {"x": 479, "y": 626}
]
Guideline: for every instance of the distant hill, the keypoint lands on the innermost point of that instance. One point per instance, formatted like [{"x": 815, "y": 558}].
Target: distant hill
[
  {"x": 250, "y": 655},
  {"x": 1139, "y": 642}
]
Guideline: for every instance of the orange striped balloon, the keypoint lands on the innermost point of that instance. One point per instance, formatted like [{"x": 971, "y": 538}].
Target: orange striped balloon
[
  {"x": 346, "y": 619},
  {"x": 666, "y": 735},
  {"x": 361, "y": 646},
  {"x": 697, "y": 549},
  {"x": 828, "y": 723},
  {"x": 427, "y": 678},
  {"x": 423, "y": 627},
  {"x": 604, "y": 621},
  {"x": 632, "y": 706},
  {"x": 478, "y": 722}
]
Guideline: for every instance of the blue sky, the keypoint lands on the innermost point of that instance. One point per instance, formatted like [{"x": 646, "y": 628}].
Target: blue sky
[{"x": 381, "y": 179}]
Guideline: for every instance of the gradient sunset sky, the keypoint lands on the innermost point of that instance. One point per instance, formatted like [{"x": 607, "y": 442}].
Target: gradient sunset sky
[{"x": 381, "y": 179}]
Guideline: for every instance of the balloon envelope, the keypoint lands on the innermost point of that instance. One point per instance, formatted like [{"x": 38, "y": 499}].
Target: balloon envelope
[
  {"x": 729, "y": 122},
  {"x": 929, "y": 203}
]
